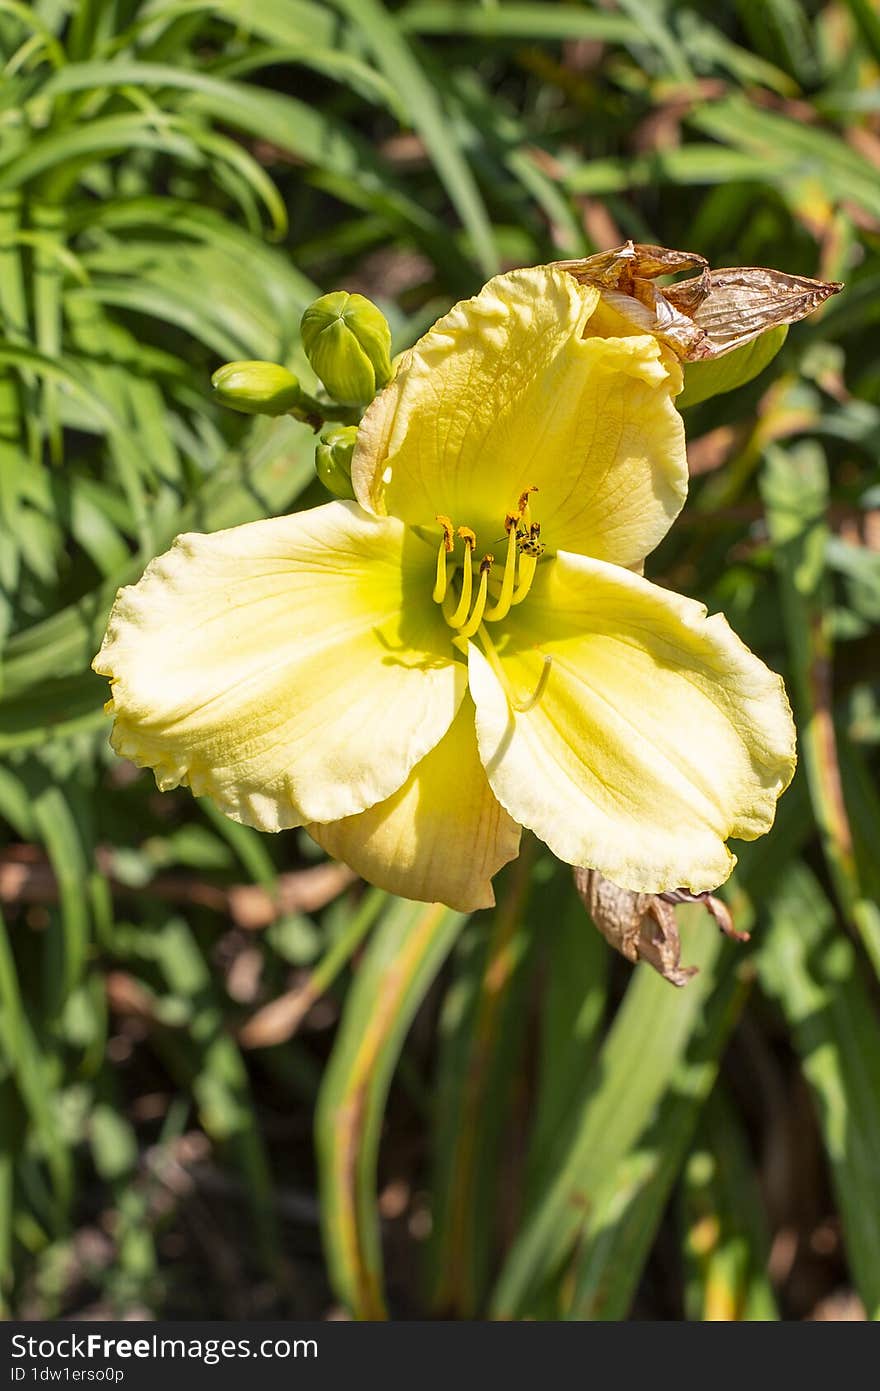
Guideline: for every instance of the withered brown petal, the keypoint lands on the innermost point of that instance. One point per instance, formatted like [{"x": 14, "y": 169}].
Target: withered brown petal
[
  {"x": 642, "y": 927},
  {"x": 617, "y": 268},
  {"x": 742, "y": 303},
  {"x": 707, "y": 315}
]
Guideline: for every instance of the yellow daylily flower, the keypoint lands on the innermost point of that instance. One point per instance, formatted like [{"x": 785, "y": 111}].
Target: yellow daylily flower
[{"x": 468, "y": 647}]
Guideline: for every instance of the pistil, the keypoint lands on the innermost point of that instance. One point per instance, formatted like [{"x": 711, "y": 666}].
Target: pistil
[{"x": 520, "y": 706}]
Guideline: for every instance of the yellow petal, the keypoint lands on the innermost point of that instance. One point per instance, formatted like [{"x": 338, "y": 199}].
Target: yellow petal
[
  {"x": 656, "y": 736},
  {"x": 293, "y": 670},
  {"x": 505, "y": 393},
  {"x": 441, "y": 838}
]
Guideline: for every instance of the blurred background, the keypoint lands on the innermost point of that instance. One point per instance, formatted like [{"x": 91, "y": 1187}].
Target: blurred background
[{"x": 234, "y": 1081}]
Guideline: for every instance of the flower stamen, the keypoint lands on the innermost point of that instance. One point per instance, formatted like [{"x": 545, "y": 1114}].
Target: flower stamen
[
  {"x": 528, "y": 564},
  {"x": 447, "y": 544},
  {"x": 501, "y": 607},
  {"x": 457, "y": 619},
  {"x": 477, "y": 611}
]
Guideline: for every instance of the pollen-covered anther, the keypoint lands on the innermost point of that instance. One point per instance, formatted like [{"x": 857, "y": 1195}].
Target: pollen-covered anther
[
  {"x": 523, "y": 505},
  {"x": 448, "y": 531}
]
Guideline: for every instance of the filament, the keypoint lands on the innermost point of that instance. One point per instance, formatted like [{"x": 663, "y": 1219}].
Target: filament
[
  {"x": 458, "y": 618},
  {"x": 501, "y": 607},
  {"x": 476, "y": 617},
  {"x": 447, "y": 543},
  {"x": 528, "y": 564}
]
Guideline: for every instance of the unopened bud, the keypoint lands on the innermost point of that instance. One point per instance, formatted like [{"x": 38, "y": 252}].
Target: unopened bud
[
  {"x": 333, "y": 459},
  {"x": 256, "y": 388},
  {"x": 348, "y": 342}
]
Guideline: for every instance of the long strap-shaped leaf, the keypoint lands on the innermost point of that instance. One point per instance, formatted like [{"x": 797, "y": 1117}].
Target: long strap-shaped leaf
[
  {"x": 646, "y": 1049},
  {"x": 813, "y": 972},
  {"x": 726, "y": 1240},
  {"x": 395, "y": 57},
  {"x": 404, "y": 955},
  {"x": 482, "y": 1032},
  {"x": 795, "y": 489},
  {"x": 621, "y": 1224}
]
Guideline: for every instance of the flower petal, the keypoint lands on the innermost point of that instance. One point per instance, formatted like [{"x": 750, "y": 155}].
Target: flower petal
[
  {"x": 293, "y": 670},
  {"x": 441, "y": 838},
  {"x": 505, "y": 393},
  {"x": 657, "y": 734}
]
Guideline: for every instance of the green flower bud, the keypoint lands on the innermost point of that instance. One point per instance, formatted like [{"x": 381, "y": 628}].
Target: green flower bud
[
  {"x": 333, "y": 459},
  {"x": 348, "y": 342},
  {"x": 256, "y": 388}
]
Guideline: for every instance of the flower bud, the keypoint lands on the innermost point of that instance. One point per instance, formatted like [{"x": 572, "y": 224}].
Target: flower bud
[
  {"x": 348, "y": 342},
  {"x": 256, "y": 388},
  {"x": 333, "y": 459}
]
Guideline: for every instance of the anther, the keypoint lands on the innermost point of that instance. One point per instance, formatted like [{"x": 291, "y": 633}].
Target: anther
[
  {"x": 523, "y": 503},
  {"x": 448, "y": 531},
  {"x": 476, "y": 617}
]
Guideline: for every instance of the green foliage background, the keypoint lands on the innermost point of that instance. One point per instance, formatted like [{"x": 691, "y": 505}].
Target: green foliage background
[{"x": 556, "y": 1135}]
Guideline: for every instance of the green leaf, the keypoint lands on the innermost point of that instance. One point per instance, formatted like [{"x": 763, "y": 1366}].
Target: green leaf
[
  {"x": 726, "y": 1242},
  {"x": 400, "y": 65},
  {"x": 481, "y": 1041},
  {"x": 811, "y": 969},
  {"x": 611, "y": 1155},
  {"x": 404, "y": 955},
  {"x": 518, "y": 21}
]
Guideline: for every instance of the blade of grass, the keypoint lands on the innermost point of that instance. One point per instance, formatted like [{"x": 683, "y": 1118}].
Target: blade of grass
[
  {"x": 67, "y": 950},
  {"x": 637, "y": 1064},
  {"x": 725, "y": 1238},
  {"x": 812, "y": 971},
  {"x": 395, "y": 57},
  {"x": 518, "y": 21},
  {"x": 573, "y": 1004},
  {"x": 481, "y": 1040},
  {"x": 795, "y": 491},
  {"x": 621, "y": 1224},
  {"x": 405, "y": 953},
  {"x": 28, "y": 1068}
]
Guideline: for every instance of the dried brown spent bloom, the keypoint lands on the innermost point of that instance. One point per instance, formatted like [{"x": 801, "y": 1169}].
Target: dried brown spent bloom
[
  {"x": 705, "y": 316},
  {"x": 642, "y": 927}
]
